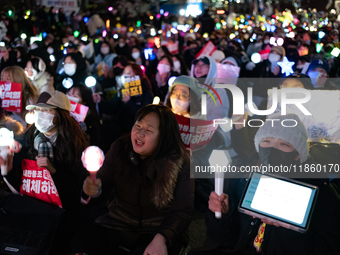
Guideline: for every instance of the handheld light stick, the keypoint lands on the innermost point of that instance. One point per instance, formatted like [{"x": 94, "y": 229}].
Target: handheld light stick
[
  {"x": 67, "y": 83},
  {"x": 91, "y": 82},
  {"x": 92, "y": 158},
  {"x": 219, "y": 158},
  {"x": 7, "y": 146}
]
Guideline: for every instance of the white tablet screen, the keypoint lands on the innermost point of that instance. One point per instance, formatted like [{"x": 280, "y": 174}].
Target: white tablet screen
[{"x": 287, "y": 201}]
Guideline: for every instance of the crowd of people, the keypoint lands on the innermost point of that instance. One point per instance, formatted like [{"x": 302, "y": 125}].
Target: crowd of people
[{"x": 151, "y": 71}]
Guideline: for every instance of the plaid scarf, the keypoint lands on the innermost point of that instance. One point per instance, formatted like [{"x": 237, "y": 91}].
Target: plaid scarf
[{"x": 44, "y": 146}]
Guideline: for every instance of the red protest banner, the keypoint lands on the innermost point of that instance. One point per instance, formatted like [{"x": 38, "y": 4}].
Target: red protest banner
[
  {"x": 195, "y": 133},
  {"x": 11, "y": 96},
  {"x": 173, "y": 47},
  {"x": 207, "y": 50},
  {"x": 38, "y": 183},
  {"x": 78, "y": 111}
]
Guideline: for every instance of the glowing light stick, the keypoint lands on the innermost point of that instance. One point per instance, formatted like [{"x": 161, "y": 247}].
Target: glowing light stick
[
  {"x": 91, "y": 82},
  {"x": 219, "y": 158},
  {"x": 7, "y": 146},
  {"x": 256, "y": 58},
  {"x": 286, "y": 66},
  {"x": 156, "y": 100},
  {"x": 92, "y": 159},
  {"x": 67, "y": 83}
]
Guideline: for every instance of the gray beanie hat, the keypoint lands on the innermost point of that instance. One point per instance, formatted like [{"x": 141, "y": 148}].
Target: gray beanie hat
[
  {"x": 297, "y": 136},
  {"x": 188, "y": 81}
]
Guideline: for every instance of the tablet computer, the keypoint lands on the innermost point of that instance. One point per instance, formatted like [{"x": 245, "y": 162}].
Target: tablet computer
[{"x": 287, "y": 202}]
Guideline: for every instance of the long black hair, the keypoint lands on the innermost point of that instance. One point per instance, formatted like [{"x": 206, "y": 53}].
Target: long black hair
[{"x": 70, "y": 142}]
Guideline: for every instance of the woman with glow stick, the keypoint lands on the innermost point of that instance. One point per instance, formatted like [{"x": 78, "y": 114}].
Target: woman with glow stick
[
  {"x": 154, "y": 195},
  {"x": 56, "y": 142}
]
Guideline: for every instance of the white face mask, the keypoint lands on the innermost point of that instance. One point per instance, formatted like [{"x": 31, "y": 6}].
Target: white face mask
[
  {"x": 43, "y": 121},
  {"x": 163, "y": 68},
  {"x": 317, "y": 78},
  {"x": 34, "y": 74},
  {"x": 135, "y": 55},
  {"x": 266, "y": 41},
  {"x": 105, "y": 50},
  {"x": 177, "y": 66},
  {"x": 73, "y": 99},
  {"x": 70, "y": 69},
  {"x": 179, "y": 106},
  {"x": 121, "y": 45},
  {"x": 50, "y": 50},
  {"x": 274, "y": 58},
  {"x": 300, "y": 66}
]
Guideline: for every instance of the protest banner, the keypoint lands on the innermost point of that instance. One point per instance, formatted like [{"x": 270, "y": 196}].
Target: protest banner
[
  {"x": 207, "y": 50},
  {"x": 38, "y": 183},
  {"x": 132, "y": 86},
  {"x": 78, "y": 111},
  {"x": 195, "y": 133},
  {"x": 11, "y": 96}
]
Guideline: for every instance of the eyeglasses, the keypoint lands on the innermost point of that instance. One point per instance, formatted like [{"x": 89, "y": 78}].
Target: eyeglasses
[
  {"x": 181, "y": 96},
  {"x": 39, "y": 109}
]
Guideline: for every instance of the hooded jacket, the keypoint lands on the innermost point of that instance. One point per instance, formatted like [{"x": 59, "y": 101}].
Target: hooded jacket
[
  {"x": 213, "y": 111},
  {"x": 44, "y": 82},
  {"x": 80, "y": 74}
]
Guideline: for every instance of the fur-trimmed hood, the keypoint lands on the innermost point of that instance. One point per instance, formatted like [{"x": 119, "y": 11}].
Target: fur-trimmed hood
[{"x": 164, "y": 173}]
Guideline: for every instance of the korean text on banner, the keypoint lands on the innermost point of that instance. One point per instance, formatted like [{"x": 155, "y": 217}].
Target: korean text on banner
[
  {"x": 11, "y": 96},
  {"x": 207, "y": 50},
  {"x": 78, "y": 111},
  {"x": 38, "y": 183},
  {"x": 132, "y": 86},
  {"x": 195, "y": 133},
  {"x": 324, "y": 105}
]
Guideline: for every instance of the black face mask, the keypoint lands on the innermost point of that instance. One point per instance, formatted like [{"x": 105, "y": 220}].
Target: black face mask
[
  {"x": 118, "y": 71},
  {"x": 274, "y": 157}
]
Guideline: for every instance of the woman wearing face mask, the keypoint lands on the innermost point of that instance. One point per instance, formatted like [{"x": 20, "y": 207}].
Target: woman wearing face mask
[
  {"x": 276, "y": 146},
  {"x": 153, "y": 204},
  {"x": 137, "y": 56},
  {"x": 30, "y": 93},
  {"x": 81, "y": 94},
  {"x": 164, "y": 72},
  {"x": 74, "y": 69},
  {"x": 184, "y": 97},
  {"x": 179, "y": 65},
  {"x": 36, "y": 72},
  {"x": 153, "y": 64},
  {"x": 242, "y": 137},
  {"x": 103, "y": 61},
  {"x": 122, "y": 49},
  {"x": 56, "y": 142}
]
